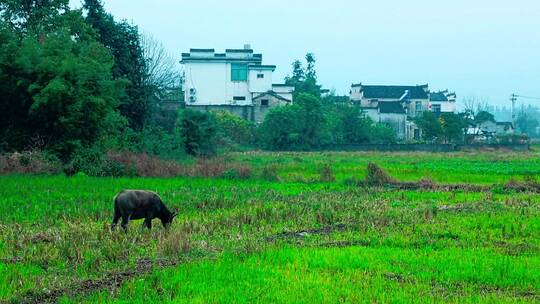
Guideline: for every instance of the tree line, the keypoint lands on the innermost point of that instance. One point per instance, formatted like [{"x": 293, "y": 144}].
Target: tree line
[{"x": 76, "y": 83}]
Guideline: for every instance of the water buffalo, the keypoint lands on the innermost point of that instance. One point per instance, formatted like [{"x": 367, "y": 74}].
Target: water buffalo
[{"x": 139, "y": 204}]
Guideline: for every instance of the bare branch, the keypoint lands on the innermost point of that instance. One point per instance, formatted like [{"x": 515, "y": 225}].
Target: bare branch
[{"x": 163, "y": 72}]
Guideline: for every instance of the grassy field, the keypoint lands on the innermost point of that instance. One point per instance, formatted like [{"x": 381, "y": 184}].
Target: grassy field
[{"x": 284, "y": 235}]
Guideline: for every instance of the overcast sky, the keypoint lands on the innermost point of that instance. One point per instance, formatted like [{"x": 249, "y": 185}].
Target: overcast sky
[{"x": 485, "y": 48}]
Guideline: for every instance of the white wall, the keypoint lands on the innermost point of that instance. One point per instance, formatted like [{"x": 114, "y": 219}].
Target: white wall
[
  {"x": 355, "y": 94},
  {"x": 213, "y": 84},
  {"x": 373, "y": 114},
  {"x": 446, "y": 107},
  {"x": 284, "y": 91},
  {"x": 260, "y": 85}
]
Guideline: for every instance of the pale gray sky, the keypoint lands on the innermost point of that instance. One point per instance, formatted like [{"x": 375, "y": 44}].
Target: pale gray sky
[{"x": 486, "y": 48}]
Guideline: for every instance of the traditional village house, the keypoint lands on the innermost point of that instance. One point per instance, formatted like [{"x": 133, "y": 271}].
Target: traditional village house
[
  {"x": 235, "y": 81},
  {"x": 395, "y": 106}
]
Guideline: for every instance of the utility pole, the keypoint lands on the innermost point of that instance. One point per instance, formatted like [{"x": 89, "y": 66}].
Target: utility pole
[{"x": 513, "y": 99}]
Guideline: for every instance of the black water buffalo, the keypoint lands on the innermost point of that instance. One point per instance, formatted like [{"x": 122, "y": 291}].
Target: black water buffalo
[{"x": 139, "y": 204}]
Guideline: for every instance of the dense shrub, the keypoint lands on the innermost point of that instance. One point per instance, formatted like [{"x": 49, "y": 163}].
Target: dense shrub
[
  {"x": 29, "y": 163},
  {"x": 145, "y": 165},
  {"x": 197, "y": 132},
  {"x": 156, "y": 141},
  {"x": 234, "y": 129},
  {"x": 238, "y": 172},
  {"x": 381, "y": 134},
  {"x": 270, "y": 173},
  {"x": 326, "y": 174},
  {"x": 295, "y": 127},
  {"x": 377, "y": 176},
  {"x": 345, "y": 124}
]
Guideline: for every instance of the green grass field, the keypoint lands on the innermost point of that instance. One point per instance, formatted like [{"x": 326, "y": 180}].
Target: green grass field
[{"x": 294, "y": 239}]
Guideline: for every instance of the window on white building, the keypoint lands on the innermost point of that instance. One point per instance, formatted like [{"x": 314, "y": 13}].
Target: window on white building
[
  {"x": 260, "y": 76},
  {"x": 264, "y": 102},
  {"x": 239, "y": 98},
  {"x": 436, "y": 108},
  {"x": 239, "y": 72},
  {"x": 418, "y": 106}
]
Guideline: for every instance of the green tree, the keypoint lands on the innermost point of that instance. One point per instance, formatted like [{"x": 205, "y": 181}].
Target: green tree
[
  {"x": 483, "y": 116},
  {"x": 281, "y": 129},
  {"x": 453, "y": 126},
  {"x": 345, "y": 124},
  {"x": 296, "y": 127},
  {"x": 311, "y": 118},
  {"x": 527, "y": 124},
  {"x": 234, "y": 128},
  {"x": 57, "y": 88},
  {"x": 430, "y": 125},
  {"x": 382, "y": 134},
  {"x": 33, "y": 16},
  {"x": 197, "y": 131},
  {"x": 303, "y": 79},
  {"x": 124, "y": 42}
]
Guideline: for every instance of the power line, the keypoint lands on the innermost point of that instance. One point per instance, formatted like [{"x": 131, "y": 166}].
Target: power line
[{"x": 528, "y": 97}]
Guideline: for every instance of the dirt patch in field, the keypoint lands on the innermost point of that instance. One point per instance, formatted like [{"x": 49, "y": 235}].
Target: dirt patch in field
[
  {"x": 377, "y": 176},
  {"x": 12, "y": 260},
  {"x": 108, "y": 282},
  {"x": 342, "y": 244},
  {"x": 307, "y": 232}
]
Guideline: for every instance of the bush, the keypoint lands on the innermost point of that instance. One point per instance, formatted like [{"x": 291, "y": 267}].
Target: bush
[
  {"x": 376, "y": 176},
  {"x": 381, "y": 134},
  {"x": 145, "y": 165},
  {"x": 326, "y": 174},
  {"x": 156, "y": 141},
  {"x": 95, "y": 162},
  {"x": 197, "y": 131},
  {"x": 238, "y": 172},
  {"x": 234, "y": 128},
  {"x": 269, "y": 173},
  {"x": 29, "y": 163},
  {"x": 294, "y": 127}
]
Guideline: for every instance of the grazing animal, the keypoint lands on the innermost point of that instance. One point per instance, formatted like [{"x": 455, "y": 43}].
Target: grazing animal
[{"x": 139, "y": 204}]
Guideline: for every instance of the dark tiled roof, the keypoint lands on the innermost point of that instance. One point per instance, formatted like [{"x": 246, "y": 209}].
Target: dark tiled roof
[
  {"x": 238, "y": 51},
  {"x": 201, "y": 50},
  {"x": 393, "y": 107},
  {"x": 438, "y": 96},
  {"x": 506, "y": 124},
  {"x": 261, "y": 66},
  {"x": 281, "y": 85},
  {"x": 393, "y": 92}
]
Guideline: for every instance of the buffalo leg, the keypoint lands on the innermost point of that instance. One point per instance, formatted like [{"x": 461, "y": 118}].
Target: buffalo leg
[
  {"x": 148, "y": 223},
  {"x": 115, "y": 220},
  {"x": 125, "y": 221}
]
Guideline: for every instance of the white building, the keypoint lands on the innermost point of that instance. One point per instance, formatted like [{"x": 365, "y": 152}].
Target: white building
[
  {"x": 236, "y": 81},
  {"x": 442, "y": 102},
  {"x": 415, "y": 99},
  {"x": 394, "y": 106}
]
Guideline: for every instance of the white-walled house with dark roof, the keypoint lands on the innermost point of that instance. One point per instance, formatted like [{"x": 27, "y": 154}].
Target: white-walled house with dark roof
[
  {"x": 415, "y": 99},
  {"x": 442, "y": 102},
  {"x": 235, "y": 81},
  {"x": 397, "y": 106},
  {"x": 394, "y": 106}
]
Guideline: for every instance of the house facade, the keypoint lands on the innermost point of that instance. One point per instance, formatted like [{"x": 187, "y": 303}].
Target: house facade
[
  {"x": 394, "y": 106},
  {"x": 392, "y": 114},
  {"x": 414, "y": 99},
  {"x": 397, "y": 106},
  {"x": 235, "y": 80},
  {"x": 442, "y": 102}
]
